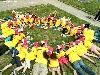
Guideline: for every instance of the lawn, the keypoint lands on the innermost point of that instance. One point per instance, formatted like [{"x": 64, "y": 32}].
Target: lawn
[
  {"x": 89, "y": 7},
  {"x": 37, "y": 34}
]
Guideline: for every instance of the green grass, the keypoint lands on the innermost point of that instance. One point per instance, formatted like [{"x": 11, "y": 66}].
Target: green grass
[
  {"x": 43, "y": 10},
  {"x": 52, "y": 35},
  {"x": 91, "y": 7}
]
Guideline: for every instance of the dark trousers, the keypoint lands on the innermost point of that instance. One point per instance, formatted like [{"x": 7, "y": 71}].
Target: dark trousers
[{"x": 81, "y": 68}]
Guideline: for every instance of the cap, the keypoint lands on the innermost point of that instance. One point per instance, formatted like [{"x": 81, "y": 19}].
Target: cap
[
  {"x": 77, "y": 42},
  {"x": 44, "y": 41},
  {"x": 60, "y": 46},
  {"x": 50, "y": 48},
  {"x": 35, "y": 44},
  {"x": 72, "y": 43},
  {"x": 49, "y": 51}
]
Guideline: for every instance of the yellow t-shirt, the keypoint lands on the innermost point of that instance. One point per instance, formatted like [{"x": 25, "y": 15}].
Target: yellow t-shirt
[
  {"x": 4, "y": 30},
  {"x": 61, "y": 53},
  {"x": 4, "y": 25},
  {"x": 19, "y": 47},
  {"x": 87, "y": 33},
  {"x": 51, "y": 23},
  {"x": 7, "y": 31},
  {"x": 42, "y": 20},
  {"x": 87, "y": 44},
  {"x": 58, "y": 22},
  {"x": 15, "y": 40},
  {"x": 21, "y": 35},
  {"x": 68, "y": 28},
  {"x": 73, "y": 31},
  {"x": 32, "y": 55},
  {"x": 31, "y": 20},
  {"x": 22, "y": 53},
  {"x": 16, "y": 37},
  {"x": 25, "y": 20},
  {"x": 63, "y": 23},
  {"x": 53, "y": 62},
  {"x": 40, "y": 58},
  {"x": 9, "y": 43},
  {"x": 72, "y": 55},
  {"x": 81, "y": 49}
]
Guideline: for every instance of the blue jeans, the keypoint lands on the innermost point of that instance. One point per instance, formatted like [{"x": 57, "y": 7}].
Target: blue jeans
[{"x": 80, "y": 67}]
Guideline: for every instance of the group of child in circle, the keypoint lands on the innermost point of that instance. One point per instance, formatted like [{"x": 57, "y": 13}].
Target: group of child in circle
[{"x": 45, "y": 57}]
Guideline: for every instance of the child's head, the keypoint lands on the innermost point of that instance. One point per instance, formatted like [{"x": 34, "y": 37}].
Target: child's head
[
  {"x": 45, "y": 55},
  {"x": 49, "y": 51},
  {"x": 53, "y": 56},
  {"x": 87, "y": 25},
  {"x": 44, "y": 43},
  {"x": 60, "y": 47}
]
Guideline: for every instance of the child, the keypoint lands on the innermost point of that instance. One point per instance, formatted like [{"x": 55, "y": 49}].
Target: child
[
  {"x": 40, "y": 66},
  {"x": 78, "y": 64},
  {"x": 15, "y": 60},
  {"x": 62, "y": 59},
  {"x": 81, "y": 50},
  {"x": 88, "y": 40},
  {"x": 30, "y": 56},
  {"x": 54, "y": 64},
  {"x": 22, "y": 55}
]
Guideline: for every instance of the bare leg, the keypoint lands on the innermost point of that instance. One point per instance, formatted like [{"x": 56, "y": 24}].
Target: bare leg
[
  {"x": 74, "y": 71},
  {"x": 19, "y": 68},
  {"x": 86, "y": 57},
  {"x": 91, "y": 55},
  {"x": 98, "y": 49},
  {"x": 62, "y": 68},
  {"x": 6, "y": 67},
  {"x": 96, "y": 52},
  {"x": 25, "y": 68},
  {"x": 69, "y": 66},
  {"x": 53, "y": 72},
  {"x": 7, "y": 52},
  {"x": 58, "y": 72}
]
